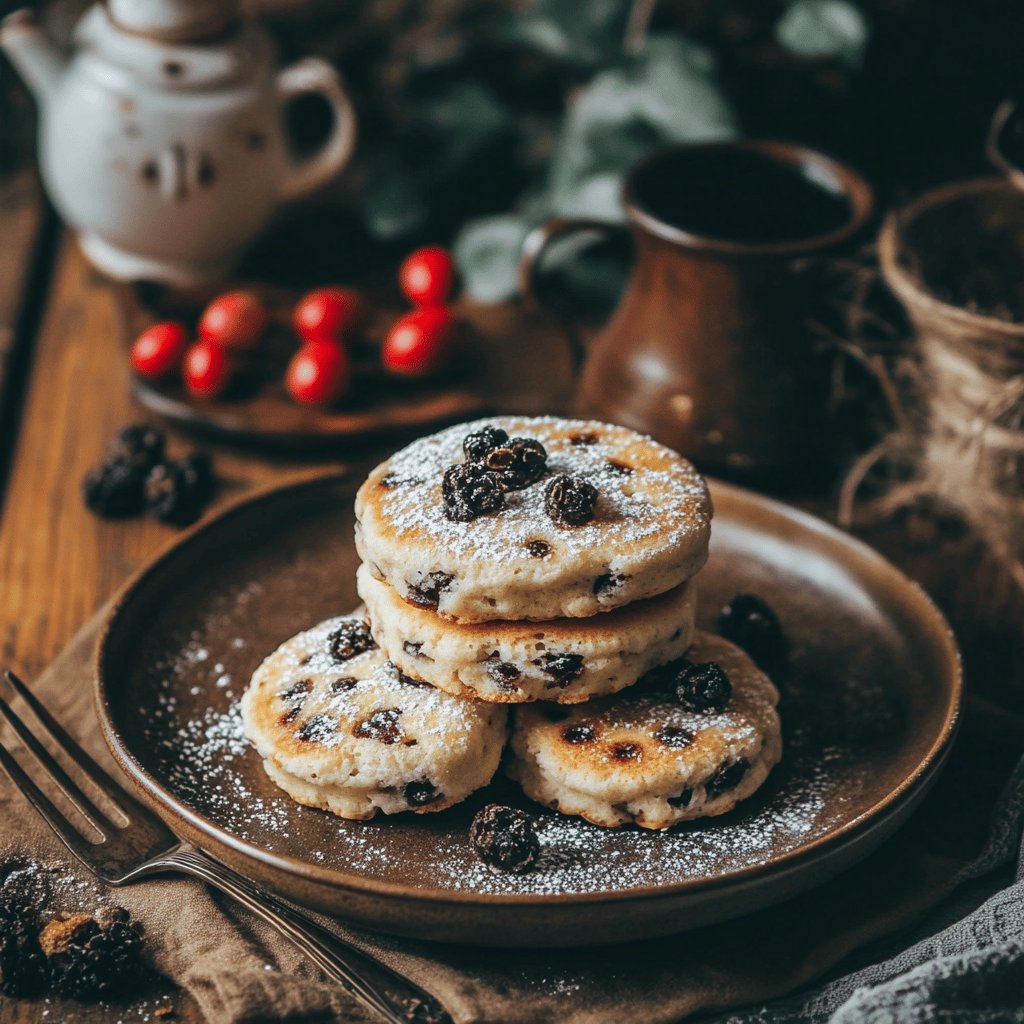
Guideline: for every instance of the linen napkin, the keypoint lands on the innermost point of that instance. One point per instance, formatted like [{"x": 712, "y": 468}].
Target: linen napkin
[{"x": 960, "y": 841}]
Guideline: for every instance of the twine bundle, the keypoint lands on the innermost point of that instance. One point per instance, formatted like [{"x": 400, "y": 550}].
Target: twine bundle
[{"x": 955, "y": 259}]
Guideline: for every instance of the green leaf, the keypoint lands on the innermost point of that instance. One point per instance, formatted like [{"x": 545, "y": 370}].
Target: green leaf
[
  {"x": 824, "y": 29},
  {"x": 487, "y": 253}
]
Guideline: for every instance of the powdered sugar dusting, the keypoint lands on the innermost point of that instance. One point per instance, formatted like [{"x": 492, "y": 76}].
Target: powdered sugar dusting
[{"x": 666, "y": 505}]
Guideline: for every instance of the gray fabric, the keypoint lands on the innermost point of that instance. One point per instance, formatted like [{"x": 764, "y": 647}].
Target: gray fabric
[{"x": 953, "y": 967}]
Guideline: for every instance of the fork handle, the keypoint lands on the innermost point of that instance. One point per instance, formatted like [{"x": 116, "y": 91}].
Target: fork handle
[{"x": 375, "y": 985}]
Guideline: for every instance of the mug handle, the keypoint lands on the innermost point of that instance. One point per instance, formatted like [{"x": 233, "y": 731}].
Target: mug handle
[
  {"x": 313, "y": 75},
  {"x": 536, "y": 243}
]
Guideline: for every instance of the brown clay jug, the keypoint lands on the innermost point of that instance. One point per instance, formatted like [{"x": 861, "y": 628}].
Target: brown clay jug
[{"x": 709, "y": 349}]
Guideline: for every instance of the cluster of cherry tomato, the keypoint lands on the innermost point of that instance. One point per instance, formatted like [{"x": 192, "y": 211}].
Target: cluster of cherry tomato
[{"x": 326, "y": 320}]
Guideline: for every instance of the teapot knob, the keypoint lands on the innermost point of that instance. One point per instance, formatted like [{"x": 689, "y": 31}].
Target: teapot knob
[
  {"x": 173, "y": 21},
  {"x": 316, "y": 76}
]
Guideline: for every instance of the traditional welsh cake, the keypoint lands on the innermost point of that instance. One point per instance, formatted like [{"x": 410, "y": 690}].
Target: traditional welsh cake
[
  {"x": 692, "y": 741},
  {"x": 532, "y": 518},
  {"x": 510, "y": 661},
  {"x": 339, "y": 727}
]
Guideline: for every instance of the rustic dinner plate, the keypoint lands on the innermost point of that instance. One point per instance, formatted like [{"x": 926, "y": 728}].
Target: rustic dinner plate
[{"x": 870, "y": 704}]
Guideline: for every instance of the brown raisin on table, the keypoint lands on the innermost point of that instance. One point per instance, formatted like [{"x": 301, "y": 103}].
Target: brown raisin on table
[
  {"x": 517, "y": 464},
  {"x": 570, "y": 500},
  {"x": 139, "y": 443},
  {"x": 703, "y": 687},
  {"x": 427, "y": 593},
  {"x": 115, "y": 489},
  {"x": 178, "y": 490},
  {"x": 505, "y": 838},
  {"x": 350, "y": 639},
  {"x": 382, "y": 725},
  {"x": 91, "y": 958},
  {"x": 480, "y": 442},
  {"x": 470, "y": 490}
]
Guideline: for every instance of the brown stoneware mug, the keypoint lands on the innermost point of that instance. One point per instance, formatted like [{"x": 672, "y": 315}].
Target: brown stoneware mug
[{"x": 709, "y": 349}]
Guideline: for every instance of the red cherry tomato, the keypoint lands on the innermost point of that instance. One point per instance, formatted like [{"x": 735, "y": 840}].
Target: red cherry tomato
[
  {"x": 318, "y": 373},
  {"x": 233, "y": 320},
  {"x": 426, "y": 276},
  {"x": 329, "y": 313},
  {"x": 207, "y": 370},
  {"x": 158, "y": 350},
  {"x": 418, "y": 342}
]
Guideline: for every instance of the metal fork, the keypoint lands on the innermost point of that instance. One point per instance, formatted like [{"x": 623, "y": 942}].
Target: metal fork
[{"x": 144, "y": 846}]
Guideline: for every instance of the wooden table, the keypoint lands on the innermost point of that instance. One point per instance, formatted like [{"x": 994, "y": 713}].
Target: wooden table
[{"x": 64, "y": 391}]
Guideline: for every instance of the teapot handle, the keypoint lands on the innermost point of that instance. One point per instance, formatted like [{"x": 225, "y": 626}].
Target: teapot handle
[{"x": 313, "y": 75}]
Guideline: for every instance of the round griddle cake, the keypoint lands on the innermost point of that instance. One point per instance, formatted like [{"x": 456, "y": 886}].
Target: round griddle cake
[{"x": 649, "y": 533}]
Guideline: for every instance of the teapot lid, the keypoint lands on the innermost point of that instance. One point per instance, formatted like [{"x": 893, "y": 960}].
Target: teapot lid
[
  {"x": 183, "y": 64},
  {"x": 173, "y": 21}
]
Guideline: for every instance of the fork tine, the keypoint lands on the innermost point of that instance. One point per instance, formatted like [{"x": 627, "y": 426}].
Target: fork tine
[
  {"x": 115, "y": 793},
  {"x": 66, "y": 832},
  {"x": 52, "y": 767}
]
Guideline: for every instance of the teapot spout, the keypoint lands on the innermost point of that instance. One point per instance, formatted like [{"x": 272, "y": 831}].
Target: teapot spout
[{"x": 33, "y": 54}]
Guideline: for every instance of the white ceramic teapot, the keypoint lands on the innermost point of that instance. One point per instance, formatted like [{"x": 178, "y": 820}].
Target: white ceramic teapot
[{"x": 162, "y": 138}]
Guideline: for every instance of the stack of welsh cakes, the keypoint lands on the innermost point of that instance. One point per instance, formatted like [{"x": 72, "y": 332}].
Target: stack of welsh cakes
[{"x": 549, "y": 563}]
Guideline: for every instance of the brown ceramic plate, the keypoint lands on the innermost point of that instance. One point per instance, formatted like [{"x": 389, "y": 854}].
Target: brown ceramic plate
[{"x": 870, "y": 706}]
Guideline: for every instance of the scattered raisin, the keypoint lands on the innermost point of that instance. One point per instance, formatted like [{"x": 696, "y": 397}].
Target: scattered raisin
[
  {"x": 350, "y": 639},
  {"x": 480, "y": 442},
  {"x": 538, "y": 548},
  {"x": 427, "y": 593},
  {"x": 683, "y": 800},
  {"x": 407, "y": 680},
  {"x": 703, "y": 687},
  {"x": 115, "y": 489},
  {"x": 295, "y": 697},
  {"x": 749, "y": 622},
  {"x": 419, "y": 794},
  {"x": 382, "y": 725},
  {"x": 563, "y": 668},
  {"x": 521, "y": 462},
  {"x": 727, "y": 777},
  {"x": 582, "y": 440},
  {"x": 140, "y": 444},
  {"x": 619, "y": 468},
  {"x": 570, "y": 500},
  {"x": 626, "y": 752},
  {"x": 343, "y": 684},
  {"x": 673, "y": 736},
  {"x": 579, "y": 734},
  {"x": 504, "y": 674},
  {"x": 470, "y": 490},
  {"x": 505, "y": 838},
  {"x": 177, "y": 491},
  {"x": 89, "y": 958}
]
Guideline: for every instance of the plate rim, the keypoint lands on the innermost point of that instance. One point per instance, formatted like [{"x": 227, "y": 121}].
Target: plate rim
[{"x": 830, "y": 843}]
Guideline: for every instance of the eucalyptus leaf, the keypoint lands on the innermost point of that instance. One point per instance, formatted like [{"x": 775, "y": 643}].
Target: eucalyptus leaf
[
  {"x": 585, "y": 35},
  {"x": 487, "y": 252},
  {"x": 824, "y": 29}
]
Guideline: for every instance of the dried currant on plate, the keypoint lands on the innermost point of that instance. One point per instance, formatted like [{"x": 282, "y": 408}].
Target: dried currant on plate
[
  {"x": 703, "y": 687},
  {"x": 505, "y": 838}
]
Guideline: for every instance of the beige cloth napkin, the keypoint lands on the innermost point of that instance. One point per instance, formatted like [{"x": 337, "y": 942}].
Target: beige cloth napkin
[{"x": 239, "y": 971}]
